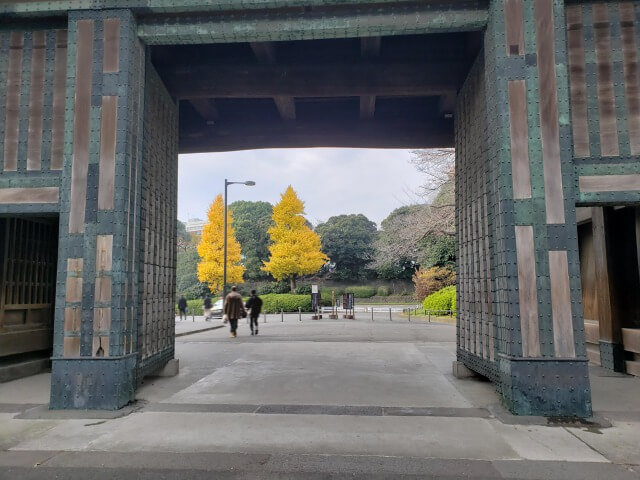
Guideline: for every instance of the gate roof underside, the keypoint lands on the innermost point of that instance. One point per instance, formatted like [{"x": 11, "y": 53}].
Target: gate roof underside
[{"x": 375, "y": 92}]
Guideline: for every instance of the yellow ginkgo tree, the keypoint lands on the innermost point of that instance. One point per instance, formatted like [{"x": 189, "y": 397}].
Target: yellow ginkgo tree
[
  {"x": 211, "y": 249},
  {"x": 295, "y": 248}
]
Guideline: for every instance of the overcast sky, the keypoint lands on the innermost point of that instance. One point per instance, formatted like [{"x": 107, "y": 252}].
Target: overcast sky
[{"x": 331, "y": 181}]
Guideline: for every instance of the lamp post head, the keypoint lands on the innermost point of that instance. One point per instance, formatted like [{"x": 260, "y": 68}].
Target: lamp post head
[{"x": 250, "y": 183}]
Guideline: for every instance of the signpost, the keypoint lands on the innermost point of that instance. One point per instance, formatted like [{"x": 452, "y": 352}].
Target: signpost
[
  {"x": 348, "y": 304},
  {"x": 316, "y": 303}
]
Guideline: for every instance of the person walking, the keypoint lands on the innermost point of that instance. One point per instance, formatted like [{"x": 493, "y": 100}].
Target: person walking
[
  {"x": 207, "y": 307},
  {"x": 255, "y": 305},
  {"x": 182, "y": 307},
  {"x": 234, "y": 309}
]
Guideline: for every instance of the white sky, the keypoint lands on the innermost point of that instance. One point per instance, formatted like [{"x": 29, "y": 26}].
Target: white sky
[{"x": 331, "y": 181}]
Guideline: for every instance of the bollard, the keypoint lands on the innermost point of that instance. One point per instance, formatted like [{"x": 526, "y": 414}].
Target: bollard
[
  {"x": 300, "y": 313},
  {"x": 409, "y": 314},
  {"x": 372, "y": 314},
  {"x": 429, "y": 316},
  {"x": 265, "y": 317},
  {"x": 281, "y": 315},
  {"x": 390, "y": 319}
]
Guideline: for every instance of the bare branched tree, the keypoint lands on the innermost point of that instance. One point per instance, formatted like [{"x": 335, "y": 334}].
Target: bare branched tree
[{"x": 404, "y": 231}]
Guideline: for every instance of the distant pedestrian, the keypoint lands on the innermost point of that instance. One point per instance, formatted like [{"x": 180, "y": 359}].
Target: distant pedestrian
[
  {"x": 234, "y": 309},
  {"x": 207, "y": 307},
  {"x": 182, "y": 307},
  {"x": 255, "y": 305}
]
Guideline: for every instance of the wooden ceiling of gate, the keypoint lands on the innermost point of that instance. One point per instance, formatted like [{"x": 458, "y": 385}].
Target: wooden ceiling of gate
[{"x": 379, "y": 92}]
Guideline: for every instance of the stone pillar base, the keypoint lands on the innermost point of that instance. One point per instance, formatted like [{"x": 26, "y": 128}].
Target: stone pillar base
[
  {"x": 93, "y": 383},
  {"x": 460, "y": 370},
  {"x": 546, "y": 387},
  {"x": 170, "y": 369}
]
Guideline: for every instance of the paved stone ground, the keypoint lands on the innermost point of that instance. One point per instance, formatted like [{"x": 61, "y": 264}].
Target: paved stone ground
[{"x": 317, "y": 399}]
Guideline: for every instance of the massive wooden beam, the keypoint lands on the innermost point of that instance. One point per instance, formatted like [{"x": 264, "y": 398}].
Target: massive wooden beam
[
  {"x": 369, "y": 48},
  {"x": 23, "y": 8},
  {"x": 314, "y": 80},
  {"x": 341, "y": 21},
  {"x": 362, "y": 134},
  {"x": 265, "y": 52}
]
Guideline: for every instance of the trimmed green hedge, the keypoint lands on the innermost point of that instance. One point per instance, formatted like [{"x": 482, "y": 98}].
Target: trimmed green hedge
[
  {"x": 288, "y": 302},
  {"x": 363, "y": 291},
  {"x": 194, "y": 307},
  {"x": 383, "y": 291},
  {"x": 443, "y": 299}
]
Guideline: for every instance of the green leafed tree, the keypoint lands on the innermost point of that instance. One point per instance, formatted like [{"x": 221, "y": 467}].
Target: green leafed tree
[
  {"x": 348, "y": 240},
  {"x": 251, "y": 221},
  {"x": 187, "y": 282}
]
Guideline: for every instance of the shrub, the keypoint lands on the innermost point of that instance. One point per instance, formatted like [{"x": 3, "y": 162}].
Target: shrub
[
  {"x": 363, "y": 291},
  {"x": 274, "y": 287},
  {"x": 303, "y": 290},
  {"x": 325, "y": 293},
  {"x": 288, "y": 302},
  {"x": 383, "y": 291},
  {"x": 431, "y": 280},
  {"x": 444, "y": 299}
]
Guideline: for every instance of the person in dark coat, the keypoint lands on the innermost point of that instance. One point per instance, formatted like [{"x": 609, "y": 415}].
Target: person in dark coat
[
  {"x": 182, "y": 307},
  {"x": 207, "y": 307},
  {"x": 255, "y": 305},
  {"x": 234, "y": 309}
]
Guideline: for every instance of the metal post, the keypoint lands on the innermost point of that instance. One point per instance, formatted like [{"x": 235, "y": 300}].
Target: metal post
[
  {"x": 390, "y": 319},
  {"x": 429, "y": 316},
  {"x": 372, "y": 314},
  {"x": 265, "y": 317},
  {"x": 281, "y": 315},
  {"x": 224, "y": 261},
  {"x": 300, "y": 313},
  {"x": 409, "y": 314}
]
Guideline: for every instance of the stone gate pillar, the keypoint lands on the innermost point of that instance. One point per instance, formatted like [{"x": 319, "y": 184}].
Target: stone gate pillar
[
  {"x": 541, "y": 357},
  {"x": 94, "y": 359}
]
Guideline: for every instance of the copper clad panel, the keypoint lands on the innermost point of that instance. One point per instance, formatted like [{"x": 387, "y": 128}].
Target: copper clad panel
[
  {"x": 631, "y": 74},
  {"x": 519, "y": 133},
  {"x": 107, "y": 152},
  {"x": 12, "y": 114},
  {"x": 549, "y": 128},
  {"x": 514, "y": 26},
  {"x": 606, "y": 95},
  {"x": 527, "y": 291},
  {"x": 561, "y": 304},
  {"x": 81, "y": 126},
  {"x": 577, "y": 82},
  {"x": 59, "y": 100},
  {"x": 609, "y": 183},
  {"x": 29, "y": 195},
  {"x": 111, "y": 59},
  {"x": 36, "y": 98}
]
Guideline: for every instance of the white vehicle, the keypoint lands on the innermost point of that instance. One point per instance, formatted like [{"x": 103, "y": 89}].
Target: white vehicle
[{"x": 214, "y": 312}]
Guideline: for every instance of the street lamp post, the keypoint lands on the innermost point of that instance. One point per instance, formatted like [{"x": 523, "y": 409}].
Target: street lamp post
[{"x": 249, "y": 183}]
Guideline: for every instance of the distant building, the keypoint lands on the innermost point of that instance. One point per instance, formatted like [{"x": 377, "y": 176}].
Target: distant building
[{"x": 195, "y": 225}]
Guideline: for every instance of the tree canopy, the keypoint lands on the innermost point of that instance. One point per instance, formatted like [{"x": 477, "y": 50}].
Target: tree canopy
[
  {"x": 295, "y": 248},
  {"x": 211, "y": 249},
  {"x": 251, "y": 220},
  {"x": 349, "y": 242}
]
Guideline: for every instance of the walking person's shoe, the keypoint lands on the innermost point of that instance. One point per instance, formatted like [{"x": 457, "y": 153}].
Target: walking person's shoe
[{"x": 256, "y": 332}]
